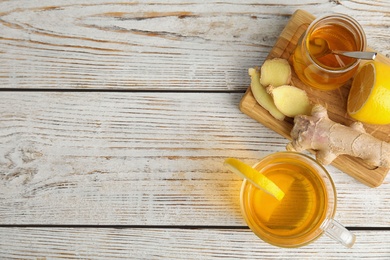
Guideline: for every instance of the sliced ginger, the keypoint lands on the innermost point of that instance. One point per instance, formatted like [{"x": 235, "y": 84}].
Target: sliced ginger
[
  {"x": 275, "y": 72},
  {"x": 261, "y": 95},
  {"x": 273, "y": 92},
  {"x": 290, "y": 100}
]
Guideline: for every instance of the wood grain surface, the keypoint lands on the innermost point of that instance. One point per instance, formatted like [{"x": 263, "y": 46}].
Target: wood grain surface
[
  {"x": 136, "y": 158},
  {"x": 115, "y": 119},
  {"x": 154, "y": 243},
  {"x": 171, "y": 44}
]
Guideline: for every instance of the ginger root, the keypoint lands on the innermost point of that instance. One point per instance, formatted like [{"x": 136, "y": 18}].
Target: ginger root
[
  {"x": 261, "y": 95},
  {"x": 290, "y": 100},
  {"x": 271, "y": 90},
  {"x": 275, "y": 72},
  {"x": 330, "y": 139}
]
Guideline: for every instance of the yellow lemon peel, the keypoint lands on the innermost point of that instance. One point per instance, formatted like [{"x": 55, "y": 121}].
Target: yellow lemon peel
[
  {"x": 255, "y": 177},
  {"x": 369, "y": 97}
]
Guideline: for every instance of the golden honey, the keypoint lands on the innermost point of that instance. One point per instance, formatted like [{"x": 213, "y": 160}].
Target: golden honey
[{"x": 322, "y": 69}]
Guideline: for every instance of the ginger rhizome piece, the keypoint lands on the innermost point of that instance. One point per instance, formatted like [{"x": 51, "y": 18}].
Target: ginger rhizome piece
[
  {"x": 330, "y": 139},
  {"x": 271, "y": 90},
  {"x": 262, "y": 97},
  {"x": 275, "y": 72},
  {"x": 290, "y": 100}
]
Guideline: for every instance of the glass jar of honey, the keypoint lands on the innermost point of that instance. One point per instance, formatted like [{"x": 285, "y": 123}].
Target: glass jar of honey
[{"x": 314, "y": 61}]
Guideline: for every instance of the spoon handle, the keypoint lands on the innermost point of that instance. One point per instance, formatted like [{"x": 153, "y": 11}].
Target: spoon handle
[{"x": 364, "y": 55}]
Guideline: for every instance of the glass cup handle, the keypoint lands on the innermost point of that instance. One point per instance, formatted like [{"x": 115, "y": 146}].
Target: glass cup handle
[{"x": 339, "y": 233}]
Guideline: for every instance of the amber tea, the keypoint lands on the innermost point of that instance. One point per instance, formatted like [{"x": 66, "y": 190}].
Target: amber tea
[
  {"x": 313, "y": 60},
  {"x": 301, "y": 216}
]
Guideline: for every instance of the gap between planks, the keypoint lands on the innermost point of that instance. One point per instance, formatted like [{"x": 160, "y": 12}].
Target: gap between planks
[{"x": 189, "y": 227}]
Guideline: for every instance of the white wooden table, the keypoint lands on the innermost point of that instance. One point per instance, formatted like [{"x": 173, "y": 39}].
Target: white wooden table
[{"x": 115, "y": 119}]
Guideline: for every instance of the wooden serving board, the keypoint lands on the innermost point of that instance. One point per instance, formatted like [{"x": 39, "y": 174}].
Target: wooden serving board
[{"x": 335, "y": 101}]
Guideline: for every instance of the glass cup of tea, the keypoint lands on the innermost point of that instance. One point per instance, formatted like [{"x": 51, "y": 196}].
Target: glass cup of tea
[
  {"x": 306, "y": 211},
  {"x": 314, "y": 60}
]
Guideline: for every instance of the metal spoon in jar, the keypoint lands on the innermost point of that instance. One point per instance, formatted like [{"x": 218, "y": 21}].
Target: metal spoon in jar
[
  {"x": 364, "y": 55},
  {"x": 322, "y": 49}
]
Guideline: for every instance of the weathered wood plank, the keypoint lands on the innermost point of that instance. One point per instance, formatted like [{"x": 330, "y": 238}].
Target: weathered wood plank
[
  {"x": 154, "y": 44},
  {"x": 95, "y": 243},
  {"x": 140, "y": 159}
]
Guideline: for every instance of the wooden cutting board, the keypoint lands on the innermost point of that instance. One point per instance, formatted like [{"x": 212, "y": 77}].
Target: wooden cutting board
[{"x": 335, "y": 101}]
